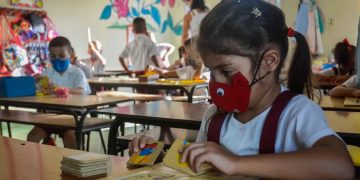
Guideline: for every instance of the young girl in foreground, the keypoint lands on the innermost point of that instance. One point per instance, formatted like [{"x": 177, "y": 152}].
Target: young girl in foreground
[{"x": 244, "y": 43}]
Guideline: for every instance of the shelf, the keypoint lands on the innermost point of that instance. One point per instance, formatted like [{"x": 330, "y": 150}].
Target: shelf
[{"x": 13, "y": 11}]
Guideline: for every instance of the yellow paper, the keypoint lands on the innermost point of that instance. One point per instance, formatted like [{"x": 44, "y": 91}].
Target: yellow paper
[
  {"x": 351, "y": 101},
  {"x": 173, "y": 157}
]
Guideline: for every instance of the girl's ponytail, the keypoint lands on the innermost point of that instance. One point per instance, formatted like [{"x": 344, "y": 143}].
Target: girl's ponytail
[{"x": 300, "y": 74}]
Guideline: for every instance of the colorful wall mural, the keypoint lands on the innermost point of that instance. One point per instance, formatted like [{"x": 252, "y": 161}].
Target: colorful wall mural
[{"x": 122, "y": 12}]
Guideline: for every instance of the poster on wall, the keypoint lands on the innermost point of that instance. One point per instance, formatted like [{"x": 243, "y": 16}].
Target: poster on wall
[{"x": 28, "y": 3}]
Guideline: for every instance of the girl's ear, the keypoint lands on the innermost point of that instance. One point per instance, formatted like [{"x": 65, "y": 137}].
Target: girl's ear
[{"x": 271, "y": 60}]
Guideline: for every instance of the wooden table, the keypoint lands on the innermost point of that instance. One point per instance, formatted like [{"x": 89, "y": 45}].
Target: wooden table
[
  {"x": 161, "y": 113},
  {"x": 111, "y": 73},
  {"x": 32, "y": 161},
  {"x": 27, "y": 160},
  {"x": 329, "y": 103},
  {"x": 346, "y": 124},
  {"x": 76, "y": 105},
  {"x": 189, "y": 89}
]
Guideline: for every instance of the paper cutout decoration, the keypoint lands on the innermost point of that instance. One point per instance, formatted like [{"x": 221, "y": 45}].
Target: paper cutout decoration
[
  {"x": 147, "y": 156},
  {"x": 172, "y": 159}
]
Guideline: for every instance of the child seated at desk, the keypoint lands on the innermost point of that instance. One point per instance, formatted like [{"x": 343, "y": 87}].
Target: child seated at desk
[
  {"x": 96, "y": 62},
  {"x": 192, "y": 69},
  {"x": 61, "y": 74},
  {"x": 258, "y": 127},
  {"x": 75, "y": 62},
  {"x": 344, "y": 55}
]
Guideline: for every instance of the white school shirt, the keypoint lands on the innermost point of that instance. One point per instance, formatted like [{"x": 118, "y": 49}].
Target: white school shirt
[
  {"x": 140, "y": 51},
  {"x": 85, "y": 69},
  {"x": 301, "y": 124},
  {"x": 72, "y": 78},
  {"x": 95, "y": 67},
  {"x": 352, "y": 82},
  {"x": 196, "y": 19}
]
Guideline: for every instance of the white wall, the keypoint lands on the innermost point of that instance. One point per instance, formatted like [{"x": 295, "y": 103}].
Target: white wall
[
  {"x": 72, "y": 17},
  {"x": 344, "y": 15}
]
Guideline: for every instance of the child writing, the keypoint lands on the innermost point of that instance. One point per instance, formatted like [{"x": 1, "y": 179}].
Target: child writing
[
  {"x": 141, "y": 52},
  {"x": 258, "y": 127},
  {"x": 96, "y": 62},
  {"x": 62, "y": 74}
]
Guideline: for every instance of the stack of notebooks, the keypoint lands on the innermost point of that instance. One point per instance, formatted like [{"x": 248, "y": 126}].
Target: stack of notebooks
[{"x": 86, "y": 165}]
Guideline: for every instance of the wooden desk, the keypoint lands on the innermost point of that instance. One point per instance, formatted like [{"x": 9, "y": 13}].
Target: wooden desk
[
  {"x": 27, "y": 160},
  {"x": 75, "y": 105},
  {"x": 134, "y": 83},
  {"x": 161, "y": 113},
  {"x": 336, "y": 104},
  {"x": 346, "y": 124},
  {"x": 111, "y": 73}
]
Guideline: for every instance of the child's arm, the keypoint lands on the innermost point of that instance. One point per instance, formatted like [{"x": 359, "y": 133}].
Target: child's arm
[
  {"x": 124, "y": 64},
  {"x": 187, "y": 20},
  {"x": 97, "y": 53},
  {"x": 343, "y": 91},
  {"x": 155, "y": 61},
  {"x": 327, "y": 158}
]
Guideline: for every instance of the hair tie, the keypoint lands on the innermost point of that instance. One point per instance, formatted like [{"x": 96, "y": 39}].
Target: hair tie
[
  {"x": 291, "y": 32},
  {"x": 346, "y": 42}
]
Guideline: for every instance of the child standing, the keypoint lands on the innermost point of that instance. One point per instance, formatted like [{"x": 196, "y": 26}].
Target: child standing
[
  {"x": 259, "y": 127},
  {"x": 61, "y": 74},
  {"x": 141, "y": 51}
]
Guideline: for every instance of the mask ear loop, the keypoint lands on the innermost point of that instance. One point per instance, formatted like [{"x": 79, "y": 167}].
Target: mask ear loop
[{"x": 254, "y": 80}]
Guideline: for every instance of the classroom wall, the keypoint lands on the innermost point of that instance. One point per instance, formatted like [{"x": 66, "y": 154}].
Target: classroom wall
[
  {"x": 72, "y": 17},
  {"x": 342, "y": 18}
]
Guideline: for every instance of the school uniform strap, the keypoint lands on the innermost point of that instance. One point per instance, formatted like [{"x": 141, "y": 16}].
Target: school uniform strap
[
  {"x": 268, "y": 134},
  {"x": 215, "y": 125}
]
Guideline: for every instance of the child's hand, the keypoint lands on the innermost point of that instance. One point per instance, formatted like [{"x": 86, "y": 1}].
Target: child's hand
[
  {"x": 92, "y": 47},
  {"x": 139, "y": 143},
  {"x": 209, "y": 152}
]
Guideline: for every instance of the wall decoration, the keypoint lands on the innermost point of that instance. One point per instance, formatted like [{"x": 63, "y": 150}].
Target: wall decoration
[
  {"x": 28, "y": 3},
  {"x": 126, "y": 10}
]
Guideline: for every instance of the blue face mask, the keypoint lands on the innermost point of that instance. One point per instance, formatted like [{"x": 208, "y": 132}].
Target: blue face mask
[{"x": 60, "y": 65}]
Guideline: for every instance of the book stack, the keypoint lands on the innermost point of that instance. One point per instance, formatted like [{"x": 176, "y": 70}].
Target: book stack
[{"x": 86, "y": 165}]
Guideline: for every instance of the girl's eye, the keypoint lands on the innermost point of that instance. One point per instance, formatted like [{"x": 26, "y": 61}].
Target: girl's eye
[{"x": 226, "y": 73}]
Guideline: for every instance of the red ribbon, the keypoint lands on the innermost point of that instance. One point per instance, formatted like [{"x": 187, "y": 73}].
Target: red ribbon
[
  {"x": 291, "y": 32},
  {"x": 346, "y": 42}
]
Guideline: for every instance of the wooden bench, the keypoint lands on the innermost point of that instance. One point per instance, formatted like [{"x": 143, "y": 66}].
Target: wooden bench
[{"x": 63, "y": 122}]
